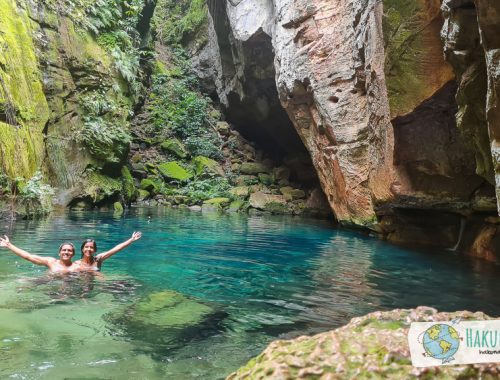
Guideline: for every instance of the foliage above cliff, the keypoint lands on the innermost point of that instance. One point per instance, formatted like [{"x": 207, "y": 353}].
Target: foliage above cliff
[
  {"x": 175, "y": 21},
  {"x": 178, "y": 110}
]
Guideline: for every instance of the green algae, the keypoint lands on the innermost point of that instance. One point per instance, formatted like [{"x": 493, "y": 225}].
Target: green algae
[{"x": 21, "y": 89}]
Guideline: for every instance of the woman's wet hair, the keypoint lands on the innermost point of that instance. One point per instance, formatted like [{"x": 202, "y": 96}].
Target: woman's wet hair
[
  {"x": 67, "y": 243},
  {"x": 88, "y": 241}
]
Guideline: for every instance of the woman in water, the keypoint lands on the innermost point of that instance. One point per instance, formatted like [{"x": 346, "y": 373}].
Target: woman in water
[
  {"x": 61, "y": 265},
  {"x": 89, "y": 262}
]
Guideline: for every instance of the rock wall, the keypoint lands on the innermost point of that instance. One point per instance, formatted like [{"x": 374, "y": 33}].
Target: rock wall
[
  {"x": 23, "y": 107},
  {"x": 373, "y": 99},
  {"x": 51, "y": 70}
]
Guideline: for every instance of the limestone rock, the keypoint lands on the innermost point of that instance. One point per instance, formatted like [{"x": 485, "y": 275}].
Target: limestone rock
[
  {"x": 240, "y": 191},
  {"x": 253, "y": 168},
  {"x": 260, "y": 200},
  {"x": 372, "y": 346}
]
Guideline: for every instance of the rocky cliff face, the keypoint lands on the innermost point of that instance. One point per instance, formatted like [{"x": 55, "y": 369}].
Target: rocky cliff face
[
  {"x": 368, "y": 89},
  {"x": 64, "y": 103}
]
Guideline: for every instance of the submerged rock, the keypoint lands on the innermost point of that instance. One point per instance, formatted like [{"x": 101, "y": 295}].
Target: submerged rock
[
  {"x": 374, "y": 346},
  {"x": 169, "y": 309},
  {"x": 166, "y": 317}
]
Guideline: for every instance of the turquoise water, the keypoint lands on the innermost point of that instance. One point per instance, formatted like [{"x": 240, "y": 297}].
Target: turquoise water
[{"x": 260, "y": 278}]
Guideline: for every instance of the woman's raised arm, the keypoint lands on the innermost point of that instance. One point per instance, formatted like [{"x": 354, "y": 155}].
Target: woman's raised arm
[
  {"x": 38, "y": 260},
  {"x": 106, "y": 255}
]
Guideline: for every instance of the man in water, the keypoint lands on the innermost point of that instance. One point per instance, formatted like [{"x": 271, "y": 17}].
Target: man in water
[{"x": 61, "y": 265}]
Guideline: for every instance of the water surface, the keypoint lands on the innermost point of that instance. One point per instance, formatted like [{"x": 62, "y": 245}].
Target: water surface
[{"x": 261, "y": 277}]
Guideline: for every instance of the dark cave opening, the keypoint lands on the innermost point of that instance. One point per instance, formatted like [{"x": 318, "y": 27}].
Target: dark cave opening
[{"x": 252, "y": 105}]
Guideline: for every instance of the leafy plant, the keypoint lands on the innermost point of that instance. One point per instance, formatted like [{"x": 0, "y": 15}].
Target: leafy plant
[
  {"x": 102, "y": 132},
  {"x": 175, "y": 19},
  {"x": 35, "y": 195},
  {"x": 178, "y": 109},
  {"x": 104, "y": 140}
]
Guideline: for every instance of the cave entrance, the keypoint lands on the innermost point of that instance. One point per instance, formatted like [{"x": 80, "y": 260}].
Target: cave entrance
[
  {"x": 252, "y": 105},
  {"x": 259, "y": 116}
]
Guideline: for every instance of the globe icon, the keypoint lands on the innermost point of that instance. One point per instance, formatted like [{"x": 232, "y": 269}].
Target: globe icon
[{"x": 441, "y": 342}]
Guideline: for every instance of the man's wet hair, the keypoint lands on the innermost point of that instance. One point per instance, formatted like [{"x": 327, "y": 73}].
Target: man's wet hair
[{"x": 67, "y": 243}]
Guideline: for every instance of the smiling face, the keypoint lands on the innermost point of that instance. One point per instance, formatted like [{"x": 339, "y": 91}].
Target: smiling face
[
  {"x": 88, "y": 248},
  {"x": 66, "y": 252}
]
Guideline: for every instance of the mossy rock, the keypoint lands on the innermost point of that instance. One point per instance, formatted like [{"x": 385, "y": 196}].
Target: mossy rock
[
  {"x": 218, "y": 201},
  {"x": 118, "y": 208},
  {"x": 253, "y": 168},
  {"x": 374, "y": 346},
  {"x": 143, "y": 194},
  {"x": 237, "y": 206},
  {"x": 266, "y": 179},
  {"x": 136, "y": 158},
  {"x": 291, "y": 194},
  {"x": 240, "y": 191},
  {"x": 100, "y": 187},
  {"x": 151, "y": 185},
  {"x": 128, "y": 188},
  {"x": 204, "y": 164},
  {"x": 168, "y": 309},
  {"x": 174, "y": 146},
  {"x": 22, "y": 93},
  {"x": 278, "y": 208},
  {"x": 173, "y": 171}
]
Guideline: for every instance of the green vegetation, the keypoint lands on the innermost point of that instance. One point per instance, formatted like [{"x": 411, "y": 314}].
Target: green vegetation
[
  {"x": 179, "y": 111},
  {"x": 103, "y": 133},
  {"x": 113, "y": 25},
  {"x": 21, "y": 95},
  {"x": 30, "y": 198},
  {"x": 175, "y": 21}
]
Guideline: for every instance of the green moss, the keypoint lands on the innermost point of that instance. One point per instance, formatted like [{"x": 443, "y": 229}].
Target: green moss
[
  {"x": 174, "y": 146},
  {"x": 218, "y": 201},
  {"x": 21, "y": 91},
  {"x": 172, "y": 170},
  {"x": 128, "y": 187},
  {"x": 206, "y": 165},
  {"x": 118, "y": 207},
  {"x": 253, "y": 168},
  {"x": 151, "y": 185},
  {"x": 169, "y": 309},
  {"x": 99, "y": 187}
]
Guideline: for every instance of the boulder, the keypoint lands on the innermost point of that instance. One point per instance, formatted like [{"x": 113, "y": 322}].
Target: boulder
[
  {"x": 173, "y": 171},
  {"x": 204, "y": 164},
  {"x": 165, "y": 309},
  {"x": 240, "y": 191},
  {"x": 253, "y": 168},
  {"x": 237, "y": 205},
  {"x": 260, "y": 200},
  {"x": 374, "y": 346},
  {"x": 223, "y": 128},
  {"x": 266, "y": 179},
  {"x": 149, "y": 184},
  {"x": 174, "y": 146},
  {"x": 291, "y": 194}
]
